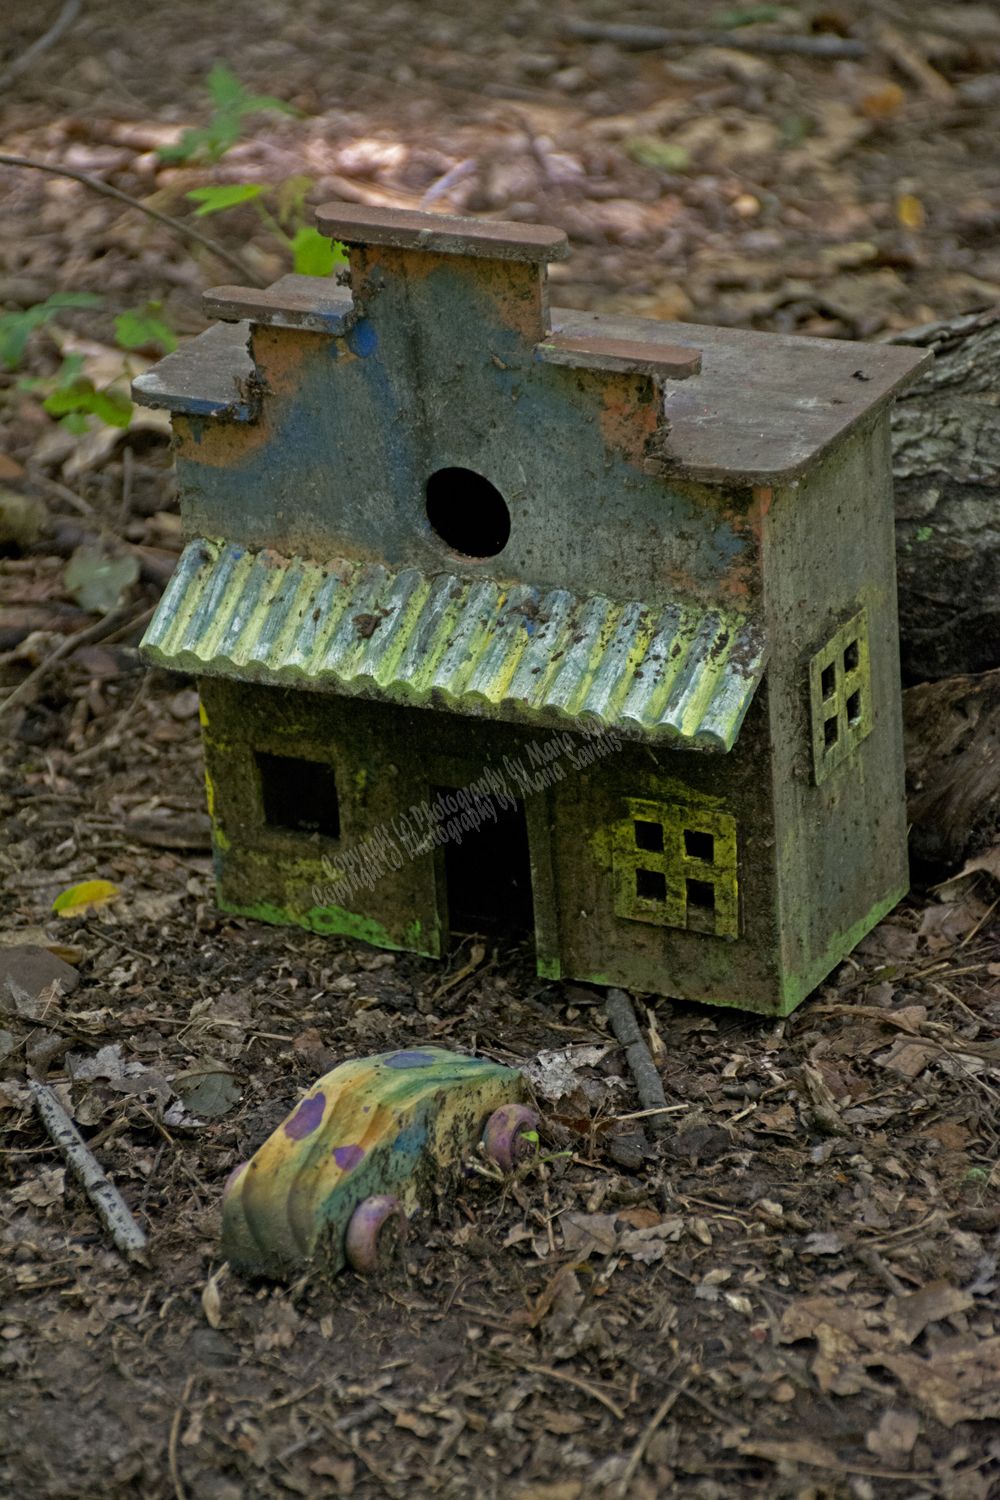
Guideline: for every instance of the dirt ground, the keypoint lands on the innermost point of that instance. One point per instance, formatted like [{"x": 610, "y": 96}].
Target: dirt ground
[{"x": 793, "y": 1293}]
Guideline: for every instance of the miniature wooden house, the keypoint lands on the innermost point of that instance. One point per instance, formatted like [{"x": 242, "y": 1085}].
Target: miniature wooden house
[{"x": 492, "y": 604}]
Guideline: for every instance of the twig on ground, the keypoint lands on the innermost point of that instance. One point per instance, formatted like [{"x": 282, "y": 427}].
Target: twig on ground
[
  {"x": 869, "y": 1256},
  {"x": 175, "y": 1428},
  {"x": 59, "y": 491},
  {"x": 113, "y": 737},
  {"x": 103, "y": 1194},
  {"x": 637, "y": 1054},
  {"x": 62, "y": 23},
  {"x": 126, "y": 505},
  {"x": 646, "y": 38},
  {"x": 581, "y": 1385},
  {"x": 637, "y": 1452},
  {"x": 154, "y": 213},
  {"x": 96, "y": 632}
]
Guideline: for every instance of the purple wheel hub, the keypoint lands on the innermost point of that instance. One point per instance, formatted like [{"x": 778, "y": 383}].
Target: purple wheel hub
[
  {"x": 504, "y": 1138},
  {"x": 363, "y": 1231}
]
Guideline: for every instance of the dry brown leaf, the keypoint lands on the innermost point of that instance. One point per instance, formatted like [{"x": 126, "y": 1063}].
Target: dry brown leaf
[
  {"x": 583, "y": 1234},
  {"x": 564, "y": 1422},
  {"x": 798, "y": 1451},
  {"x": 894, "y": 1437},
  {"x": 420, "y": 1426},
  {"x": 906, "y": 1057},
  {"x": 882, "y": 103},
  {"x": 210, "y": 1300},
  {"x": 908, "y": 1316}
]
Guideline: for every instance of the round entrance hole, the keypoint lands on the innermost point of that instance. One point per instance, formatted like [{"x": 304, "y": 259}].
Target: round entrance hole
[{"x": 468, "y": 513}]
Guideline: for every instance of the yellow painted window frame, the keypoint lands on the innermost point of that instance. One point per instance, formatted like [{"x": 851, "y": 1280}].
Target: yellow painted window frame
[
  {"x": 840, "y": 678},
  {"x": 678, "y": 867}
]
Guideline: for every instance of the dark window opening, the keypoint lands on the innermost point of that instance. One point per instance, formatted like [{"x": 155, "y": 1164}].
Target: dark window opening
[
  {"x": 650, "y": 885},
  {"x": 828, "y": 681},
  {"x": 649, "y": 836},
  {"x": 300, "y": 795},
  {"x": 488, "y": 875},
  {"x": 851, "y": 657},
  {"x": 468, "y": 513},
  {"x": 701, "y": 893},
  {"x": 830, "y": 731},
  {"x": 854, "y": 707},
  {"x": 699, "y": 845}
]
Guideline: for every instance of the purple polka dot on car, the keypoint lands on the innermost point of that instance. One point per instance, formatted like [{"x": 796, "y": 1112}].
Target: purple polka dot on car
[
  {"x": 348, "y": 1157},
  {"x": 307, "y": 1118},
  {"x": 410, "y": 1060}
]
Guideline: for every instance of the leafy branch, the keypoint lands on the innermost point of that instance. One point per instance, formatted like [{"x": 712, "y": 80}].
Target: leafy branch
[
  {"x": 232, "y": 102},
  {"x": 248, "y": 277},
  {"x": 312, "y": 253}
]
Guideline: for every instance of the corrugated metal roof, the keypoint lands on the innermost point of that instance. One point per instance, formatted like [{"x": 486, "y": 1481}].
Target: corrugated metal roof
[{"x": 675, "y": 673}]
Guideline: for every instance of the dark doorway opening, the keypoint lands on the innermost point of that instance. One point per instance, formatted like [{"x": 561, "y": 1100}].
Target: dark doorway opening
[
  {"x": 299, "y": 794},
  {"x": 488, "y": 875},
  {"x": 467, "y": 512}
]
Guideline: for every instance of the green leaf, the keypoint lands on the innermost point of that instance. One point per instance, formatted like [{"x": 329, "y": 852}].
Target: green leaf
[
  {"x": 91, "y": 895},
  {"x": 291, "y": 198},
  {"x": 212, "y": 199},
  {"x": 69, "y": 371},
  {"x": 140, "y": 326},
  {"x": 76, "y": 423},
  {"x": 97, "y": 581},
  {"x": 652, "y": 152},
  {"x": 312, "y": 252},
  {"x": 17, "y": 327},
  {"x": 745, "y": 15},
  {"x": 110, "y": 406},
  {"x": 224, "y": 88},
  {"x": 266, "y": 101},
  {"x": 67, "y": 299}
]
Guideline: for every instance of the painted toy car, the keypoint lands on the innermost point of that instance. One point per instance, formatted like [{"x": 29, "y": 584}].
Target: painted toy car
[{"x": 364, "y": 1148}]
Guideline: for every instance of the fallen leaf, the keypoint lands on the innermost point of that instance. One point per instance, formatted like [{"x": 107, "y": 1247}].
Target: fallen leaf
[
  {"x": 894, "y": 1436},
  {"x": 419, "y": 1426},
  {"x": 564, "y": 1422},
  {"x": 210, "y": 1300},
  {"x": 42, "y": 1191},
  {"x": 910, "y": 212},
  {"x": 798, "y": 1451},
  {"x": 823, "y": 1242},
  {"x": 569, "y": 1489},
  {"x": 97, "y": 581},
  {"x": 908, "y": 1316},
  {"x": 906, "y": 1057},
  {"x": 80, "y": 899},
  {"x": 952, "y": 1136},
  {"x": 210, "y": 1089},
  {"x": 340, "y": 1470},
  {"x": 640, "y": 1218},
  {"x": 583, "y": 1234},
  {"x": 883, "y": 102}
]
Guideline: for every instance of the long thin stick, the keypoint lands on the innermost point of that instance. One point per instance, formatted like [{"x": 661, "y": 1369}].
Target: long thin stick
[
  {"x": 83, "y": 638},
  {"x": 103, "y": 1194},
  {"x": 175, "y": 1428},
  {"x": 62, "y": 23},
  {"x": 581, "y": 1385},
  {"x": 154, "y": 213},
  {"x": 643, "y": 1443},
  {"x": 637, "y": 1054},
  {"x": 643, "y": 38}
]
